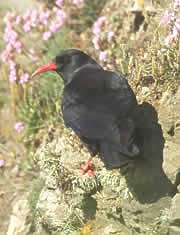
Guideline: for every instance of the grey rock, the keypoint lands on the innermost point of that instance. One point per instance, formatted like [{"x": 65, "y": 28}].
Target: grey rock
[
  {"x": 173, "y": 230},
  {"x": 145, "y": 91},
  {"x": 175, "y": 210},
  {"x": 19, "y": 219},
  {"x": 169, "y": 117}
]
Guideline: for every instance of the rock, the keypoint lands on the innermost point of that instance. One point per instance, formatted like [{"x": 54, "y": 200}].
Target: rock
[
  {"x": 145, "y": 91},
  {"x": 178, "y": 188},
  {"x": 19, "y": 220},
  {"x": 175, "y": 211},
  {"x": 173, "y": 230},
  {"x": 169, "y": 116}
]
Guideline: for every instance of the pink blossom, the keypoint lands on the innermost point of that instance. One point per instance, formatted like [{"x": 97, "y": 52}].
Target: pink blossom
[
  {"x": 18, "y": 19},
  {"x": 19, "y": 126},
  {"x": 47, "y": 35},
  {"x": 18, "y": 46},
  {"x": 27, "y": 15},
  {"x": 61, "y": 15},
  {"x": 33, "y": 18},
  {"x": 12, "y": 64},
  {"x": 6, "y": 54},
  {"x": 103, "y": 55},
  {"x": 9, "y": 17},
  {"x": 96, "y": 29},
  {"x": 98, "y": 24},
  {"x": 60, "y": 3},
  {"x": 24, "y": 78},
  {"x": 54, "y": 27},
  {"x": 10, "y": 35},
  {"x": 27, "y": 27},
  {"x": 168, "y": 40},
  {"x": 95, "y": 42},
  {"x": 176, "y": 3},
  {"x": 77, "y": 2},
  {"x": 101, "y": 20},
  {"x": 12, "y": 76},
  {"x": 167, "y": 17},
  {"x": 110, "y": 36},
  {"x": 44, "y": 16},
  {"x": 2, "y": 163}
]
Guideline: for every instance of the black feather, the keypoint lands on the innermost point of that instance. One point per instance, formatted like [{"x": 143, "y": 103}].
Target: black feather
[{"x": 98, "y": 105}]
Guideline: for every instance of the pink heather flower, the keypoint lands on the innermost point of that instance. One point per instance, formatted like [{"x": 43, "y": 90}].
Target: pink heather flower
[
  {"x": 9, "y": 47},
  {"x": 110, "y": 36},
  {"x": 96, "y": 29},
  {"x": 1, "y": 163},
  {"x": 60, "y": 3},
  {"x": 27, "y": 15},
  {"x": 54, "y": 27},
  {"x": 168, "y": 40},
  {"x": 101, "y": 19},
  {"x": 167, "y": 17},
  {"x": 19, "y": 126},
  {"x": 12, "y": 64},
  {"x": 24, "y": 78},
  {"x": 77, "y": 2},
  {"x": 60, "y": 16},
  {"x": 176, "y": 3},
  {"x": 47, "y": 35},
  {"x": 12, "y": 76},
  {"x": 9, "y": 17},
  {"x": 44, "y": 17},
  {"x": 98, "y": 24},
  {"x": 95, "y": 42},
  {"x": 18, "y": 46},
  {"x": 33, "y": 18},
  {"x": 10, "y": 35},
  {"x": 18, "y": 19},
  {"x": 103, "y": 55},
  {"x": 27, "y": 27},
  {"x": 6, "y": 54}
]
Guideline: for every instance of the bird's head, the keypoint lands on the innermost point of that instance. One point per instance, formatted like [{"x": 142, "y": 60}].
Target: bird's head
[{"x": 66, "y": 64}]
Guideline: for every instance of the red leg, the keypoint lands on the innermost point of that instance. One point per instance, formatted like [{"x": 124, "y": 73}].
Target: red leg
[{"x": 86, "y": 167}]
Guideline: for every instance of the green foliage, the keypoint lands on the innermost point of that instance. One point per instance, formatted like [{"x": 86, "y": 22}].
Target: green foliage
[
  {"x": 34, "y": 194},
  {"x": 90, "y": 12}
]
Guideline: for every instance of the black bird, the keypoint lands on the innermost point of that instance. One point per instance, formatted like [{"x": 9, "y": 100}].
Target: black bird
[{"x": 98, "y": 105}]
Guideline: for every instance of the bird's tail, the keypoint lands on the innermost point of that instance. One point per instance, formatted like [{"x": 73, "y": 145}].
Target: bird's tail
[
  {"x": 121, "y": 148},
  {"x": 112, "y": 158}
]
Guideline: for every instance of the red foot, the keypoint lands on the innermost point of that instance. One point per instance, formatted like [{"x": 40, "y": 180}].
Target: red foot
[{"x": 87, "y": 167}]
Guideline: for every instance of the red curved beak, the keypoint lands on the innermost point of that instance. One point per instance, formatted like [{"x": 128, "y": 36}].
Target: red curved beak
[{"x": 44, "y": 68}]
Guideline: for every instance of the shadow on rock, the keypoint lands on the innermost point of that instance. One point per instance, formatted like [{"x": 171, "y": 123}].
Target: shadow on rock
[{"x": 146, "y": 179}]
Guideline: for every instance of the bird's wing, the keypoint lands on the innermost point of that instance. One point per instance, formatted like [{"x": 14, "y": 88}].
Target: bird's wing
[
  {"x": 110, "y": 88},
  {"x": 91, "y": 123}
]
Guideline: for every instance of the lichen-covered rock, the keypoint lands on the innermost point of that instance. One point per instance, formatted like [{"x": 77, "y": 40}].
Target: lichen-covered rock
[
  {"x": 19, "y": 220},
  {"x": 133, "y": 200},
  {"x": 173, "y": 230},
  {"x": 169, "y": 116},
  {"x": 175, "y": 211},
  {"x": 136, "y": 199}
]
